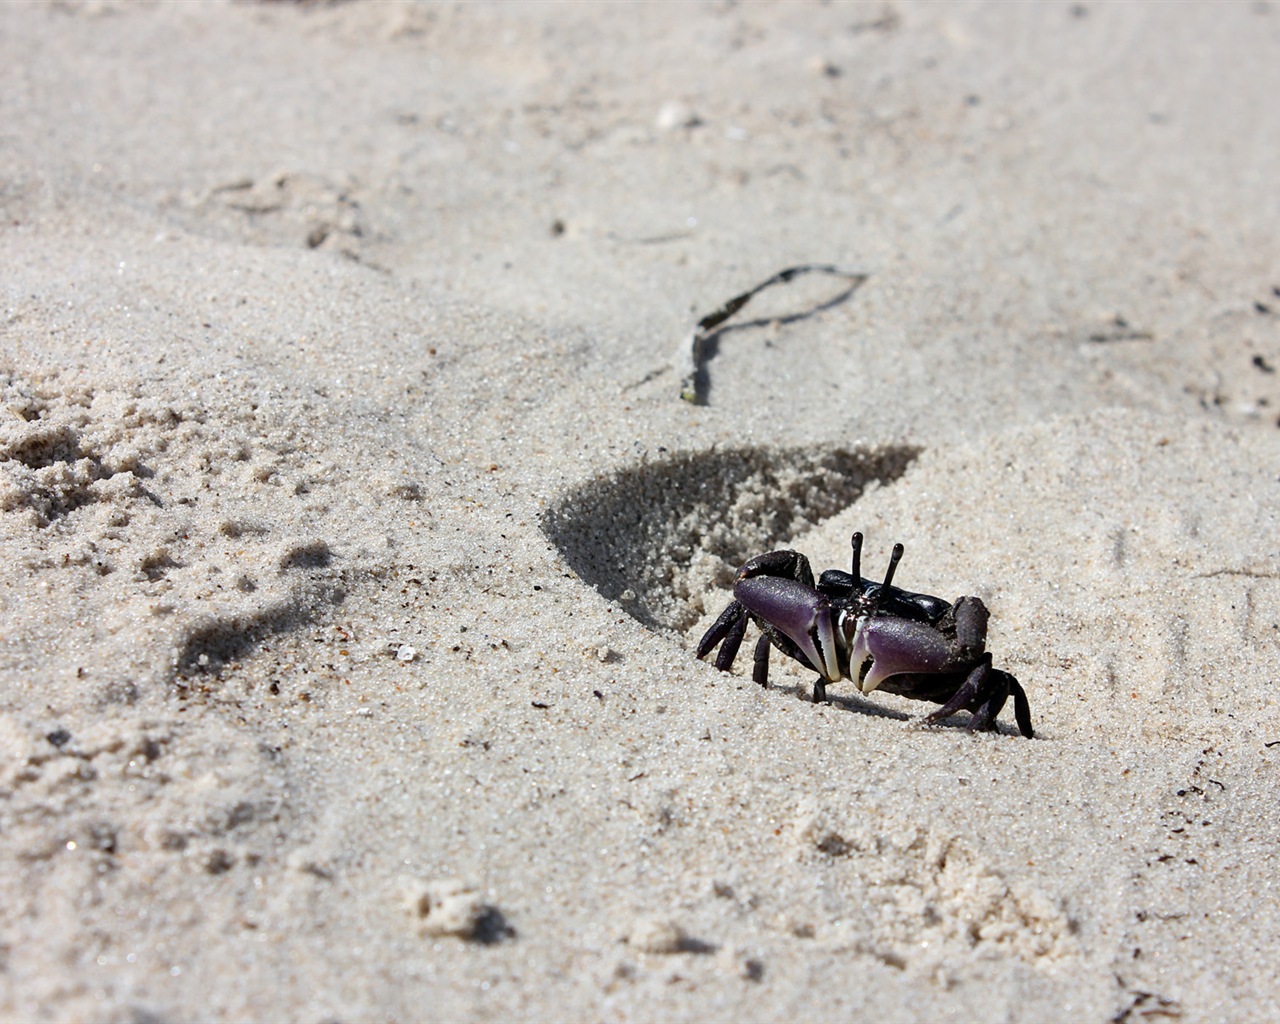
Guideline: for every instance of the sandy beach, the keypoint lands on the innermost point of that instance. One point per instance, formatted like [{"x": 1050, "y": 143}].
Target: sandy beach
[{"x": 355, "y": 538}]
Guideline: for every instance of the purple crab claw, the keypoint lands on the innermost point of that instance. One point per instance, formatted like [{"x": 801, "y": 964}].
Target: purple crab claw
[
  {"x": 797, "y": 612},
  {"x": 882, "y": 647}
]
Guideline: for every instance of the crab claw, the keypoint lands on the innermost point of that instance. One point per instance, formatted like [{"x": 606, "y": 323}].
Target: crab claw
[
  {"x": 884, "y": 646},
  {"x": 799, "y": 613}
]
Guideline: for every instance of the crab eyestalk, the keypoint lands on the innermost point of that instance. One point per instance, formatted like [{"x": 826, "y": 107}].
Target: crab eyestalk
[{"x": 894, "y": 559}]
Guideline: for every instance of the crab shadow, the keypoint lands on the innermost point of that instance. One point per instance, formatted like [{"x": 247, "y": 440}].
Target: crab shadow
[
  {"x": 952, "y": 723},
  {"x": 855, "y": 703},
  {"x": 861, "y": 705},
  {"x": 659, "y": 537}
]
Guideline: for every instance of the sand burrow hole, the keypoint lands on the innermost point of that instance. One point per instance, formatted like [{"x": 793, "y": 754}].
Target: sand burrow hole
[{"x": 660, "y": 537}]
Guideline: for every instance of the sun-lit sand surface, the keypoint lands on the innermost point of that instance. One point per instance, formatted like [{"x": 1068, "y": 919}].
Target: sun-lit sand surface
[{"x": 355, "y": 540}]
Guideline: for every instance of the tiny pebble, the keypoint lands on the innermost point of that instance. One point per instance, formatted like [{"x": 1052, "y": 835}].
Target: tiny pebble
[
  {"x": 446, "y": 906},
  {"x": 656, "y": 935},
  {"x": 676, "y": 115}
]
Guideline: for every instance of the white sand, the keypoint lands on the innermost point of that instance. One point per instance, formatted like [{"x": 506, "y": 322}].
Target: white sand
[{"x": 354, "y": 542}]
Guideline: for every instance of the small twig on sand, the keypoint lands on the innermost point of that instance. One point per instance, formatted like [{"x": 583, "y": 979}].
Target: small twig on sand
[{"x": 689, "y": 357}]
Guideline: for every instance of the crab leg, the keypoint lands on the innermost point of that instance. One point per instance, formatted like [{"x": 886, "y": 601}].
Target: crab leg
[
  {"x": 1021, "y": 709},
  {"x": 788, "y": 565},
  {"x": 969, "y": 692},
  {"x": 971, "y": 622},
  {"x": 729, "y": 649},
  {"x": 761, "y": 671},
  {"x": 733, "y": 617},
  {"x": 985, "y": 716}
]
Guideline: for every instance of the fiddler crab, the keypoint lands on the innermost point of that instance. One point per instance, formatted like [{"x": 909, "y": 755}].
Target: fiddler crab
[{"x": 880, "y": 636}]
